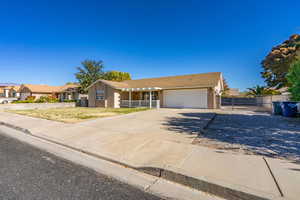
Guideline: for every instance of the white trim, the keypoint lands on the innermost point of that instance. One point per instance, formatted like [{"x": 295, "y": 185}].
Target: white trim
[
  {"x": 140, "y": 89},
  {"x": 193, "y": 87}
]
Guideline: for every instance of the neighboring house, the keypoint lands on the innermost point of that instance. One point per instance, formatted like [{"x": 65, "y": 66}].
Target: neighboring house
[
  {"x": 69, "y": 92},
  {"x": 186, "y": 91},
  {"x": 37, "y": 91},
  {"x": 9, "y": 91},
  {"x": 13, "y": 91},
  {"x": 2, "y": 92},
  {"x": 233, "y": 92}
]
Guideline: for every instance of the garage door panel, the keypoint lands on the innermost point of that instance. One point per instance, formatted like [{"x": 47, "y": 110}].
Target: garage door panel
[{"x": 192, "y": 98}]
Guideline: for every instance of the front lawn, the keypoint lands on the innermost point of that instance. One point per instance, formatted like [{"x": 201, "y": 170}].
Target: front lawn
[{"x": 77, "y": 114}]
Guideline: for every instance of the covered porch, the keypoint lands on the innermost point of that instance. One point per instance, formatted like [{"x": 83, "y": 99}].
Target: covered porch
[{"x": 141, "y": 97}]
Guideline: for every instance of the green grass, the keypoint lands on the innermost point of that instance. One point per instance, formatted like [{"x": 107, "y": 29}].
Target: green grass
[{"x": 77, "y": 114}]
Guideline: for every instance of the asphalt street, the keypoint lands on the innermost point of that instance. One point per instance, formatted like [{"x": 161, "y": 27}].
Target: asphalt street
[{"x": 27, "y": 173}]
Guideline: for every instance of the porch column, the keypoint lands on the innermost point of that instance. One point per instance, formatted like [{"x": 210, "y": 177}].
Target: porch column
[
  {"x": 150, "y": 99},
  {"x": 140, "y": 100},
  {"x": 129, "y": 99}
]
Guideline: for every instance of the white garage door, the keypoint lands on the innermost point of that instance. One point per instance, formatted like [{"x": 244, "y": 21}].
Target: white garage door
[{"x": 192, "y": 98}]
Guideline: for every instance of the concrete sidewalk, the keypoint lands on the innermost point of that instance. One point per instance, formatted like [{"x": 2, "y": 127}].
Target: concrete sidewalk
[{"x": 142, "y": 141}]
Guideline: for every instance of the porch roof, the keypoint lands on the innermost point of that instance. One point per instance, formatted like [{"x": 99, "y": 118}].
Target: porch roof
[{"x": 141, "y": 89}]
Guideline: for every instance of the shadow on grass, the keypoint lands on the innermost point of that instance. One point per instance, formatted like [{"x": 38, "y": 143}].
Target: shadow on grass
[{"x": 262, "y": 134}]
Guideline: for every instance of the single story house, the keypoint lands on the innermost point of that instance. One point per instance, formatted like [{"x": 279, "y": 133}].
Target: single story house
[
  {"x": 2, "y": 92},
  {"x": 9, "y": 91},
  {"x": 186, "y": 91},
  {"x": 69, "y": 92}
]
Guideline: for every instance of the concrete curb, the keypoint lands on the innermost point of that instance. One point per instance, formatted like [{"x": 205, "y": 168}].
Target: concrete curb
[{"x": 201, "y": 185}]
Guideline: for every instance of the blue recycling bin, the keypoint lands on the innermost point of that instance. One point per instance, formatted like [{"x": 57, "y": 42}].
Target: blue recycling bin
[
  {"x": 277, "y": 110},
  {"x": 289, "y": 109}
]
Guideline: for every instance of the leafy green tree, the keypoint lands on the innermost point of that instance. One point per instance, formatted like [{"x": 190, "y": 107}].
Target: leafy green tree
[
  {"x": 117, "y": 76},
  {"x": 277, "y": 63},
  {"x": 89, "y": 72},
  {"x": 293, "y": 78}
]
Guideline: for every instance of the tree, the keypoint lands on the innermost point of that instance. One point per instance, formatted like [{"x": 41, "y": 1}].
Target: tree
[
  {"x": 261, "y": 90},
  {"x": 89, "y": 72},
  {"x": 277, "y": 63},
  {"x": 293, "y": 78},
  {"x": 117, "y": 76},
  {"x": 226, "y": 87},
  {"x": 71, "y": 83}
]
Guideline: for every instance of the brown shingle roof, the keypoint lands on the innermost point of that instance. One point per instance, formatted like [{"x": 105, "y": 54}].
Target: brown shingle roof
[
  {"x": 193, "y": 80},
  {"x": 47, "y": 88},
  {"x": 68, "y": 86},
  {"x": 14, "y": 87},
  {"x": 41, "y": 88}
]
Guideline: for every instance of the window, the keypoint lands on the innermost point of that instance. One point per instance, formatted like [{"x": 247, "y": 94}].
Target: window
[
  {"x": 99, "y": 95},
  {"x": 154, "y": 94}
]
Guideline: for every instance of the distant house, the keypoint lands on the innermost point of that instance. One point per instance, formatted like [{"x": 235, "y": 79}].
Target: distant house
[
  {"x": 2, "y": 92},
  {"x": 69, "y": 92},
  {"x": 9, "y": 91},
  {"x": 13, "y": 91},
  {"x": 186, "y": 91},
  {"x": 233, "y": 92}
]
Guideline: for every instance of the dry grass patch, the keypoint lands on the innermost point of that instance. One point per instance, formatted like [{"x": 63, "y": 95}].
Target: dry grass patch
[{"x": 77, "y": 114}]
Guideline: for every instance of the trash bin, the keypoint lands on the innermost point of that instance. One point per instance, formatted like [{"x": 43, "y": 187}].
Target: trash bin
[
  {"x": 289, "y": 109},
  {"x": 277, "y": 110}
]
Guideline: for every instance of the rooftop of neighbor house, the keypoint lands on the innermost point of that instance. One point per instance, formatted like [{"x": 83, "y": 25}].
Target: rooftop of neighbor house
[
  {"x": 47, "y": 88},
  {"x": 211, "y": 79}
]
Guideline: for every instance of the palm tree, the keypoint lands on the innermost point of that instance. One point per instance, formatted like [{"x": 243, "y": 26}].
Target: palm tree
[{"x": 257, "y": 90}]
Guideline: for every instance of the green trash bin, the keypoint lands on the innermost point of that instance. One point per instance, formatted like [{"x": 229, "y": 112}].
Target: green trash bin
[{"x": 277, "y": 109}]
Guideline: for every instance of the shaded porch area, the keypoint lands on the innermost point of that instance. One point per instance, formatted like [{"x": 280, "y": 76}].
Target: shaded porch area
[{"x": 141, "y": 97}]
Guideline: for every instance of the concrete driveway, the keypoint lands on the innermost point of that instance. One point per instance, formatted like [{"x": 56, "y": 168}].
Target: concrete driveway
[
  {"x": 180, "y": 125},
  {"x": 152, "y": 132}
]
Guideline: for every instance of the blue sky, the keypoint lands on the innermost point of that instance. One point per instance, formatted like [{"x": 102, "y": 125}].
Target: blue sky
[{"x": 42, "y": 42}]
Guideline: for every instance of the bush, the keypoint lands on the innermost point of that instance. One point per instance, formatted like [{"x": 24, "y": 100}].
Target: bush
[
  {"x": 67, "y": 101},
  {"x": 47, "y": 99},
  {"x": 293, "y": 78},
  {"x": 23, "y": 101},
  {"x": 30, "y": 98}
]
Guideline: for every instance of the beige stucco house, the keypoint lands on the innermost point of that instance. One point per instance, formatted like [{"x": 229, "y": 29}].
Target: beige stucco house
[
  {"x": 69, "y": 92},
  {"x": 186, "y": 91}
]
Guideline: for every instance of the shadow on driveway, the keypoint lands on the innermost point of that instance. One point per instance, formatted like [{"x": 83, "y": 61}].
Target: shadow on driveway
[
  {"x": 262, "y": 134},
  {"x": 188, "y": 123}
]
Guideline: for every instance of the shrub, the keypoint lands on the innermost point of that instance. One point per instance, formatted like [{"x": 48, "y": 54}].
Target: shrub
[
  {"x": 67, "y": 100},
  {"x": 30, "y": 98},
  {"x": 47, "y": 99},
  {"x": 23, "y": 101}
]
